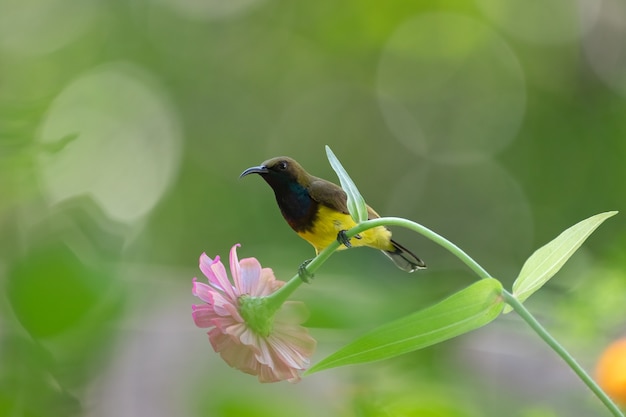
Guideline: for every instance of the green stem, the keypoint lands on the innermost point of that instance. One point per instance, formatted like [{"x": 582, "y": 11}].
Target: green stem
[
  {"x": 426, "y": 232},
  {"x": 276, "y": 299},
  {"x": 282, "y": 294},
  {"x": 560, "y": 350}
]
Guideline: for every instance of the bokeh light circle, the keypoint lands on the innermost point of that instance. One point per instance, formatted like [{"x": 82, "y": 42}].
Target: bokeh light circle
[
  {"x": 542, "y": 22},
  {"x": 338, "y": 114},
  {"x": 451, "y": 88},
  {"x": 605, "y": 45},
  {"x": 113, "y": 135},
  {"x": 478, "y": 206},
  {"x": 210, "y": 9},
  {"x": 35, "y": 27}
]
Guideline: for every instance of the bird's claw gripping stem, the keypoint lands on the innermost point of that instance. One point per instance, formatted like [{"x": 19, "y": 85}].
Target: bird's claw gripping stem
[
  {"x": 343, "y": 238},
  {"x": 304, "y": 273}
]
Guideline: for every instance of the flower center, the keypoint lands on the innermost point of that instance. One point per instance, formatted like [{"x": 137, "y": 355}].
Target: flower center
[{"x": 257, "y": 314}]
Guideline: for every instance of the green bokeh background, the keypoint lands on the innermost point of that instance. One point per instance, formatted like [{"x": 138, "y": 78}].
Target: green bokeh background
[{"x": 124, "y": 127}]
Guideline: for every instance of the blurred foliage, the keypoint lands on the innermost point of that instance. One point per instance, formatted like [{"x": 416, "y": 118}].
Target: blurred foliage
[{"x": 124, "y": 127}]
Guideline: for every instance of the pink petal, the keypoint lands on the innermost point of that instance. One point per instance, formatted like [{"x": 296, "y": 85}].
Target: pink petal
[
  {"x": 202, "y": 291},
  {"x": 249, "y": 279},
  {"x": 297, "y": 338},
  {"x": 264, "y": 354},
  {"x": 266, "y": 283},
  {"x": 224, "y": 306},
  {"x": 266, "y": 374},
  {"x": 270, "y": 366},
  {"x": 214, "y": 270},
  {"x": 234, "y": 266},
  {"x": 242, "y": 359},
  {"x": 234, "y": 354},
  {"x": 276, "y": 370},
  {"x": 203, "y": 315},
  {"x": 293, "y": 347},
  {"x": 250, "y": 339},
  {"x": 282, "y": 373},
  {"x": 229, "y": 326},
  {"x": 276, "y": 284},
  {"x": 285, "y": 354},
  {"x": 220, "y": 341},
  {"x": 270, "y": 374},
  {"x": 205, "y": 266},
  {"x": 292, "y": 312}
]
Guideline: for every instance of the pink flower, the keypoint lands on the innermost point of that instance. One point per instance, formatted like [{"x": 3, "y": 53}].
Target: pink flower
[{"x": 243, "y": 327}]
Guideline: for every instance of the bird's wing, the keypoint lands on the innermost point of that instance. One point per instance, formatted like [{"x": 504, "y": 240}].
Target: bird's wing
[
  {"x": 329, "y": 194},
  {"x": 371, "y": 214},
  {"x": 333, "y": 196}
]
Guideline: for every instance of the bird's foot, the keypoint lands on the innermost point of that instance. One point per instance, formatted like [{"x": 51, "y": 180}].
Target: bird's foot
[
  {"x": 343, "y": 238},
  {"x": 304, "y": 273}
]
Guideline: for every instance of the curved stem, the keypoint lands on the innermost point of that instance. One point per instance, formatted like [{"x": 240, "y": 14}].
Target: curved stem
[
  {"x": 276, "y": 299},
  {"x": 427, "y": 233}
]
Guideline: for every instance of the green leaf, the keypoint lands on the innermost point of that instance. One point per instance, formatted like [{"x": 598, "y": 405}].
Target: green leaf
[
  {"x": 547, "y": 260},
  {"x": 460, "y": 313},
  {"x": 356, "y": 203}
]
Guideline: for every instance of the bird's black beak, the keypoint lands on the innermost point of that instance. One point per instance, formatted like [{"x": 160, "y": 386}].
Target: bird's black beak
[{"x": 261, "y": 169}]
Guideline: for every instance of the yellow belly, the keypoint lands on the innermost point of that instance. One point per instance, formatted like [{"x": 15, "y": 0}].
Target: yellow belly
[{"x": 330, "y": 222}]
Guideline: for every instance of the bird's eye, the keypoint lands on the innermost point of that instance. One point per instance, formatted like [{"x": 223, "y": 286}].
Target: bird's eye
[{"x": 282, "y": 165}]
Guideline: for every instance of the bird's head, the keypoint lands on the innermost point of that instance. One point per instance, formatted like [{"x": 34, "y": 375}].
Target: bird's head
[{"x": 279, "y": 170}]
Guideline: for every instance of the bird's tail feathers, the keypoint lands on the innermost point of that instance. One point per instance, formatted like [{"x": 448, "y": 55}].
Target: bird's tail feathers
[{"x": 404, "y": 258}]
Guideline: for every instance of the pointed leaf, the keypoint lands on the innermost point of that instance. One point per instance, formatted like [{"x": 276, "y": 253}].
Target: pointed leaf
[
  {"x": 547, "y": 260},
  {"x": 460, "y": 313},
  {"x": 356, "y": 203}
]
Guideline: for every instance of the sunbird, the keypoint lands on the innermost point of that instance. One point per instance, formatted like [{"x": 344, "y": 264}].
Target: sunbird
[{"x": 317, "y": 211}]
